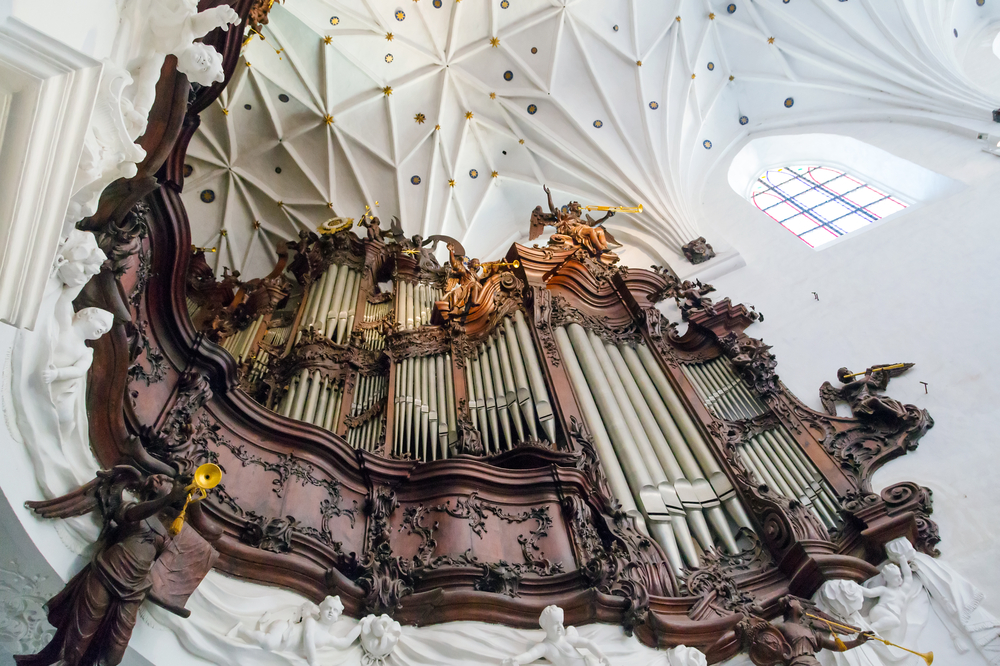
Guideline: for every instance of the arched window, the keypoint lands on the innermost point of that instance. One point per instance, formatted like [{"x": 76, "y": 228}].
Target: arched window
[{"x": 819, "y": 204}]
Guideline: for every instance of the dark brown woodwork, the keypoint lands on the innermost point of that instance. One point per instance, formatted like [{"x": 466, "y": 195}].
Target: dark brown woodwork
[{"x": 493, "y": 538}]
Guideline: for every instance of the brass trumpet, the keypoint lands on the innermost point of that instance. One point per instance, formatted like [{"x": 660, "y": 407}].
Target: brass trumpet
[
  {"x": 928, "y": 657},
  {"x": 876, "y": 368},
  {"x": 502, "y": 264},
  {"x": 616, "y": 209},
  {"x": 195, "y": 249},
  {"x": 206, "y": 477}
]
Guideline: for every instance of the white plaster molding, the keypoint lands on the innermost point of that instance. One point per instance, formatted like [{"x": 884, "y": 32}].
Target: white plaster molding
[
  {"x": 23, "y": 626},
  {"x": 47, "y": 93}
]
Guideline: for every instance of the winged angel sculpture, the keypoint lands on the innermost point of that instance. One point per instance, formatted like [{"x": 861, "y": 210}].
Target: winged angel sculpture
[
  {"x": 572, "y": 230},
  {"x": 135, "y": 558},
  {"x": 863, "y": 397}
]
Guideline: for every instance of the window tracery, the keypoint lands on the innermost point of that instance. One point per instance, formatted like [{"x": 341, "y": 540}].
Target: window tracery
[{"x": 819, "y": 203}]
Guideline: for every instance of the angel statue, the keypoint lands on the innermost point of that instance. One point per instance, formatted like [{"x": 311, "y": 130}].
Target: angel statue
[
  {"x": 861, "y": 395},
  {"x": 135, "y": 558},
  {"x": 571, "y": 230},
  {"x": 464, "y": 284},
  {"x": 795, "y": 641},
  {"x": 561, "y": 645},
  {"x": 303, "y": 634}
]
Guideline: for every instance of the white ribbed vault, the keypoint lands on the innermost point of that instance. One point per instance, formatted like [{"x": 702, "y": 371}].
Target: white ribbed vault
[{"x": 605, "y": 130}]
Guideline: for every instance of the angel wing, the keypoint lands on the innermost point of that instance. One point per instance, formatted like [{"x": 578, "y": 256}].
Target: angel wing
[
  {"x": 611, "y": 239},
  {"x": 96, "y": 494},
  {"x": 539, "y": 220},
  {"x": 890, "y": 370},
  {"x": 396, "y": 230},
  {"x": 828, "y": 395}
]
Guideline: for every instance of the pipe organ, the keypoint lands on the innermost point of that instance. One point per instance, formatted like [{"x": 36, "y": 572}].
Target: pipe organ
[
  {"x": 477, "y": 441},
  {"x": 535, "y": 423}
]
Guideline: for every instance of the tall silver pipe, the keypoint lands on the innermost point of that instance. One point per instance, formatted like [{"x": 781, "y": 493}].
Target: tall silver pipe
[
  {"x": 498, "y": 391},
  {"x": 442, "y": 405},
  {"x": 675, "y": 489},
  {"x": 397, "y": 413},
  {"x": 432, "y": 407},
  {"x": 491, "y": 401},
  {"x": 324, "y": 395},
  {"x": 605, "y": 449},
  {"x": 330, "y": 420},
  {"x": 316, "y": 302},
  {"x": 347, "y": 308},
  {"x": 424, "y": 408},
  {"x": 477, "y": 377},
  {"x": 510, "y": 390},
  {"x": 336, "y": 300},
  {"x": 352, "y": 308},
  {"x": 408, "y": 287},
  {"x": 543, "y": 407},
  {"x": 289, "y": 398},
  {"x": 326, "y": 296},
  {"x": 470, "y": 390},
  {"x": 718, "y": 480},
  {"x": 312, "y": 397},
  {"x": 637, "y": 472},
  {"x": 527, "y": 408},
  {"x": 300, "y": 395},
  {"x": 449, "y": 395},
  {"x": 640, "y": 440},
  {"x": 408, "y": 405}
]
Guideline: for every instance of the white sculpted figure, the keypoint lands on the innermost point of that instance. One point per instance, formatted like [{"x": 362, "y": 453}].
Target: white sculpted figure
[
  {"x": 172, "y": 27},
  {"x": 889, "y": 614},
  {"x": 71, "y": 359},
  {"x": 79, "y": 259},
  {"x": 379, "y": 636},
  {"x": 561, "y": 645},
  {"x": 302, "y": 635}
]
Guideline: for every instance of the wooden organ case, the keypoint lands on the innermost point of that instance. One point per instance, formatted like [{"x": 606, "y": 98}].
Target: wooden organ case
[{"x": 555, "y": 442}]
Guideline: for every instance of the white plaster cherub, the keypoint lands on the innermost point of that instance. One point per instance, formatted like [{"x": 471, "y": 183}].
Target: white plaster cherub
[
  {"x": 893, "y": 598},
  {"x": 561, "y": 645},
  {"x": 303, "y": 635},
  {"x": 173, "y": 25},
  {"x": 71, "y": 358}
]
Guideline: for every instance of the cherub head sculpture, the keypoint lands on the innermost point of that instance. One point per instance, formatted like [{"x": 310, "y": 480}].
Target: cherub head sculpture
[
  {"x": 330, "y": 610},
  {"x": 551, "y": 621},
  {"x": 201, "y": 63},
  {"x": 893, "y": 576},
  {"x": 92, "y": 323}
]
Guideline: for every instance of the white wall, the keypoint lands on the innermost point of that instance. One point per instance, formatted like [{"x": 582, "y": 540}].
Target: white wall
[{"x": 918, "y": 288}]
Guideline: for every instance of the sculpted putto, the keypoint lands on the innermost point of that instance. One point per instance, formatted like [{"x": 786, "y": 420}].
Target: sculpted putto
[
  {"x": 561, "y": 645},
  {"x": 302, "y": 635}
]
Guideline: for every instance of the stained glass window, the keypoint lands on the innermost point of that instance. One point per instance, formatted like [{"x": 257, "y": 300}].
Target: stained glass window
[{"x": 819, "y": 204}]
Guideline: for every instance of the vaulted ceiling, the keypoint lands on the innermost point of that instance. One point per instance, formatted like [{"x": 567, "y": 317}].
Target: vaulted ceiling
[{"x": 451, "y": 114}]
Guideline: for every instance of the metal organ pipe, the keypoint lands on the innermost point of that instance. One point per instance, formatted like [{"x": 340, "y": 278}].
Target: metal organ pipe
[
  {"x": 498, "y": 391},
  {"x": 637, "y": 470},
  {"x": 541, "y": 395},
  {"x": 520, "y": 378},
  {"x": 720, "y": 483}
]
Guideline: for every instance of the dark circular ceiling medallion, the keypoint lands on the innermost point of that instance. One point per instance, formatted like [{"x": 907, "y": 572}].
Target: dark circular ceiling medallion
[
  {"x": 283, "y": 98},
  {"x": 208, "y": 196}
]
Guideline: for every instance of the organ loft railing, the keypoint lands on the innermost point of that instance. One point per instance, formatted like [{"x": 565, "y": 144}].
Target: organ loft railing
[{"x": 527, "y": 428}]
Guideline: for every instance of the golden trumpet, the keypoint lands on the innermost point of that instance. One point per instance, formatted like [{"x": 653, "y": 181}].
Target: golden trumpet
[
  {"x": 206, "y": 477},
  {"x": 876, "y": 368},
  {"x": 503, "y": 264},
  {"x": 616, "y": 209},
  {"x": 928, "y": 657},
  {"x": 195, "y": 249}
]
